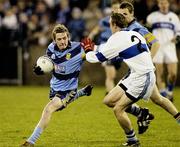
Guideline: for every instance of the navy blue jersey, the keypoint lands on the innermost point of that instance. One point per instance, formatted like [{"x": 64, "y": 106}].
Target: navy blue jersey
[{"x": 67, "y": 64}]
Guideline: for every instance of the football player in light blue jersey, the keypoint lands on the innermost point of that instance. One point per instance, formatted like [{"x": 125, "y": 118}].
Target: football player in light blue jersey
[
  {"x": 139, "y": 83},
  {"x": 67, "y": 57},
  {"x": 105, "y": 32}
]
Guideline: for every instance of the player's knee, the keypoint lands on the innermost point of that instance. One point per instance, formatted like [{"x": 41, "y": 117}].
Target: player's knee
[
  {"x": 107, "y": 101},
  {"x": 47, "y": 111}
]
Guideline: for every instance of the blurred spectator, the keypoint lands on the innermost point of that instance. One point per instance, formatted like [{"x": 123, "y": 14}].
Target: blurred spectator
[
  {"x": 10, "y": 20},
  {"x": 76, "y": 25},
  {"x": 82, "y": 4},
  {"x": 145, "y": 6},
  {"x": 62, "y": 12},
  {"x": 175, "y": 6},
  {"x": 33, "y": 29},
  {"x": 50, "y": 3},
  {"x": 91, "y": 15}
]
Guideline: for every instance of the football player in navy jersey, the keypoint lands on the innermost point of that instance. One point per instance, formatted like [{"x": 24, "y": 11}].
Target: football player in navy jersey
[{"x": 68, "y": 58}]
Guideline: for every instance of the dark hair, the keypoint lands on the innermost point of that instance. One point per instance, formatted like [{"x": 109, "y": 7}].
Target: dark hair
[
  {"x": 119, "y": 20},
  {"x": 59, "y": 28},
  {"x": 127, "y": 5}
]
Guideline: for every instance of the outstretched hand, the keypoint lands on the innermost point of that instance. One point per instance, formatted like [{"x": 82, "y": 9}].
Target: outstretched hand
[{"x": 87, "y": 44}]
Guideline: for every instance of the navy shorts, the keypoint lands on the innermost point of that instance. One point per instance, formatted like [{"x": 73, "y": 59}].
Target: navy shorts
[{"x": 60, "y": 94}]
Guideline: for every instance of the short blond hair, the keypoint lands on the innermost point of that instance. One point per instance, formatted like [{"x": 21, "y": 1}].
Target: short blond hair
[{"x": 59, "y": 28}]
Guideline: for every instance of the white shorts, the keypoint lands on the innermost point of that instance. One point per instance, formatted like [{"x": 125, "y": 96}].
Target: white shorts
[
  {"x": 138, "y": 86},
  {"x": 166, "y": 54}
]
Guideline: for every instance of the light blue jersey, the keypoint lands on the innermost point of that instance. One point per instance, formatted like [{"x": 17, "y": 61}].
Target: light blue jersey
[
  {"x": 135, "y": 26},
  {"x": 68, "y": 64},
  {"x": 105, "y": 29}
]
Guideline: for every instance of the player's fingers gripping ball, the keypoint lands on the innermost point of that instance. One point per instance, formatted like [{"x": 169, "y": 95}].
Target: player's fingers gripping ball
[{"x": 87, "y": 44}]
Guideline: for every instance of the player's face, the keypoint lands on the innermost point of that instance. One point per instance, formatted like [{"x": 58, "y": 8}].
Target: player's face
[
  {"x": 163, "y": 6},
  {"x": 62, "y": 40},
  {"x": 125, "y": 12}
]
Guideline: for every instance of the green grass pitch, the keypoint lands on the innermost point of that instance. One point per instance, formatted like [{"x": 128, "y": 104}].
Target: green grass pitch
[{"x": 85, "y": 123}]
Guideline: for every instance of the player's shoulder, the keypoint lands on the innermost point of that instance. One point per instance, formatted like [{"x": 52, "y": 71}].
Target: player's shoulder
[
  {"x": 51, "y": 46},
  {"x": 122, "y": 35},
  {"x": 174, "y": 15},
  {"x": 75, "y": 43}
]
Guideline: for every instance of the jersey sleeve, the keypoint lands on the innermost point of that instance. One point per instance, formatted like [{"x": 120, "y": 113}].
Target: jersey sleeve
[
  {"x": 105, "y": 52},
  {"x": 149, "y": 37},
  {"x": 177, "y": 26}
]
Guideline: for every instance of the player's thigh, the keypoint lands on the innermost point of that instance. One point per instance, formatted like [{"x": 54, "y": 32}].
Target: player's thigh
[
  {"x": 114, "y": 95},
  {"x": 123, "y": 103},
  {"x": 110, "y": 71}
]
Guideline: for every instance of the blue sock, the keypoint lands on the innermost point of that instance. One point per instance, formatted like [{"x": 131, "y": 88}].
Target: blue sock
[
  {"x": 131, "y": 136},
  {"x": 170, "y": 87},
  {"x": 80, "y": 93},
  {"x": 35, "y": 135},
  {"x": 134, "y": 110},
  {"x": 163, "y": 92}
]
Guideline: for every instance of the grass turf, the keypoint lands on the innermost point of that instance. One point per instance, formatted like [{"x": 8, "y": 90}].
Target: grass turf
[{"x": 85, "y": 123}]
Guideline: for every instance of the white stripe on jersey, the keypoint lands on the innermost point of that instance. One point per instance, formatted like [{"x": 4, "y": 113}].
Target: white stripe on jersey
[{"x": 121, "y": 44}]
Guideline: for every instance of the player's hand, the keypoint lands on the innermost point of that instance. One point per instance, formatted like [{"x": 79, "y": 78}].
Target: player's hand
[
  {"x": 37, "y": 70},
  {"x": 87, "y": 44}
]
